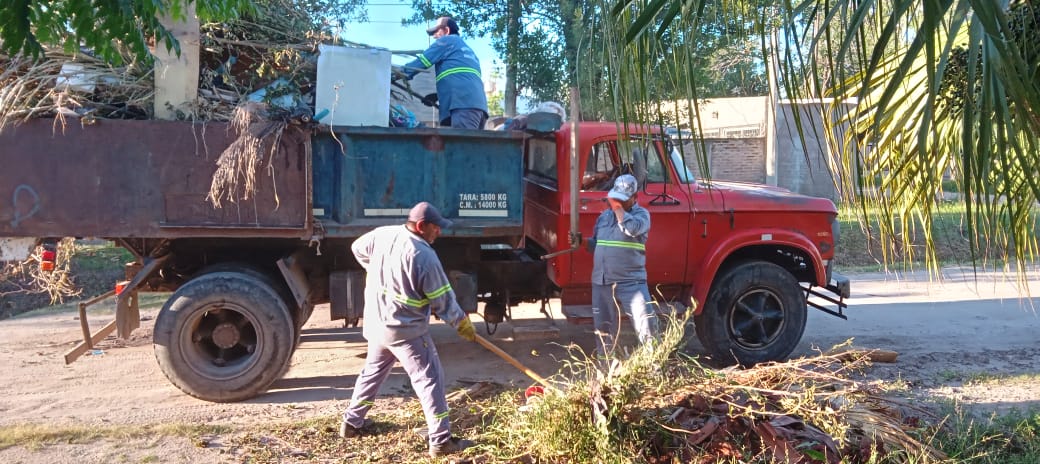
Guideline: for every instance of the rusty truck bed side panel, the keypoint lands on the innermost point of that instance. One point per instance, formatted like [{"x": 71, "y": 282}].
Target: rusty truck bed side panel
[{"x": 143, "y": 179}]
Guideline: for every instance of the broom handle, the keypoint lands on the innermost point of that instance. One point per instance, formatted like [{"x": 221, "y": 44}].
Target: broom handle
[{"x": 511, "y": 360}]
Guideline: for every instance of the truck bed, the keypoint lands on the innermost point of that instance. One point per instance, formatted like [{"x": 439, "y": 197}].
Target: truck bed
[
  {"x": 150, "y": 179},
  {"x": 137, "y": 179}
]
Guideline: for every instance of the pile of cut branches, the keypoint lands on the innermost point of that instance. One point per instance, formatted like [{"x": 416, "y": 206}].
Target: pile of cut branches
[
  {"x": 657, "y": 408},
  {"x": 237, "y": 58},
  {"x": 72, "y": 85}
]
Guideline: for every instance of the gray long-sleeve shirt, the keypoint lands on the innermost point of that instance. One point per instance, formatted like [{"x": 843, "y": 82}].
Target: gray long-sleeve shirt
[
  {"x": 404, "y": 284},
  {"x": 619, "y": 249}
]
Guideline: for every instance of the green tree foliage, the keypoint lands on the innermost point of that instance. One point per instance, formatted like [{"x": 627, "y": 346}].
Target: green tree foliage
[
  {"x": 290, "y": 21},
  {"x": 933, "y": 87},
  {"x": 111, "y": 29}
]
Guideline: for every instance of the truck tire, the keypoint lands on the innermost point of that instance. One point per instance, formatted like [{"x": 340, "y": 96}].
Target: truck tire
[
  {"x": 224, "y": 337},
  {"x": 755, "y": 313},
  {"x": 299, "y": 315}
]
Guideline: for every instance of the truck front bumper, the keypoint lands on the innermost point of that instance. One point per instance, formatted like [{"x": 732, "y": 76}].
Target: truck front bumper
[{"x": 837, "y": 290}]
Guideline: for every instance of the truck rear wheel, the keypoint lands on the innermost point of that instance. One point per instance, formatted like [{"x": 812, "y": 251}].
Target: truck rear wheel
[
  {"x": 224, "y": 336},
  {"x": 755, "y": 313}
]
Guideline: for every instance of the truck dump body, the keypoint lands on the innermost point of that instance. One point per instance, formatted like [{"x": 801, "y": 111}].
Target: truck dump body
[
  {"x": 126, "y": 179},
  {"x": 370, "y": 176}
]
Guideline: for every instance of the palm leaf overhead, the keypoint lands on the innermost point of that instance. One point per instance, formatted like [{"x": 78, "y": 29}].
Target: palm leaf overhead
[{"x": 935, "y": 86}]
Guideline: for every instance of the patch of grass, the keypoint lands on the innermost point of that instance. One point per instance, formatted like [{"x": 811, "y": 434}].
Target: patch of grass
[
  {"x": 948, "y": 375},
  {"x": 981, "y": 378},
  {"x": 860, "y": 248},
  {"x": 1008, "y": 439},
  {"x": 145, "y": 301},
  {"x": 34, "y": 436},
  {"x": 92, "y": 257}
]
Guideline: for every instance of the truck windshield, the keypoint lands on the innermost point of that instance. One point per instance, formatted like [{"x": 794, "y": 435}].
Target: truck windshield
[{"x": 685, "y": 175}]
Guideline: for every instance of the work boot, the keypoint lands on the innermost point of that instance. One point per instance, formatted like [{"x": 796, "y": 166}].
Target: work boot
[
  {"x": 347, "y": 431},
  {"x": 452, "y": 446}
]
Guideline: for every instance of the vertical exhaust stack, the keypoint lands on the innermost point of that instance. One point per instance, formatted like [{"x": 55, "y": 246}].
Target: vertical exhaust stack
[{"x": 575, "y": 234}]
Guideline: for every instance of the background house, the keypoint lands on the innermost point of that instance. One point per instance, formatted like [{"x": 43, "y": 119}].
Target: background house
[{"x": 738, "y": 145}]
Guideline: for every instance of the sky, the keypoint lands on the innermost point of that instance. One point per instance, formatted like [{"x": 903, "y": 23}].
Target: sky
[{"x": 384, "y": 30}]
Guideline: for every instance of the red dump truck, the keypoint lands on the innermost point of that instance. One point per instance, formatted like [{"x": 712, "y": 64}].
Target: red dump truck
[{"x": 246, "y": 276}]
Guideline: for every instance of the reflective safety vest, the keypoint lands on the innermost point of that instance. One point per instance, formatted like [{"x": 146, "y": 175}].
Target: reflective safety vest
[{"x": 619, "y": 249}]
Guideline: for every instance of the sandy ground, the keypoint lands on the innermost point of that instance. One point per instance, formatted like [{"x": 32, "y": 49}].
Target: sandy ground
[{"x": 949, "y": 335}]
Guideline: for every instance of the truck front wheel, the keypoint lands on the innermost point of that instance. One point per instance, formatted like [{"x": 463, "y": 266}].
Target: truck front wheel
[
  {"x": 755, "y": 313},
  {"x": 224, "y": 336}
]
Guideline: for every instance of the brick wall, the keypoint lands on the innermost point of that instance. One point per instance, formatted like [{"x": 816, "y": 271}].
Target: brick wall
[
  {"x": 802, "y": 166},
  {"x": 736, "y": 159}
]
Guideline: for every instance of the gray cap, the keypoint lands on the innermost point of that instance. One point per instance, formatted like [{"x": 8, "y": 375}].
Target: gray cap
[
  {"x": 426, "y": 212},
  {"x": 624, "y": 187},
  {"x": 444, "y": 21}
]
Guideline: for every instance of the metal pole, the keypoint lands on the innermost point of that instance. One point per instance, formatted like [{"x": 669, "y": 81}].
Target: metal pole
[{"x": 575, "y": 185}]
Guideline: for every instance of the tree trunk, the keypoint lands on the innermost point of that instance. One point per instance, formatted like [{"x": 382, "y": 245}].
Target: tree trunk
[{"x": 513, "y": 41}]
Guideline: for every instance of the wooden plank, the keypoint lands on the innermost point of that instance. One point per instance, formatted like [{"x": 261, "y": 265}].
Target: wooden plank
[{"x": 78, "y": 351}]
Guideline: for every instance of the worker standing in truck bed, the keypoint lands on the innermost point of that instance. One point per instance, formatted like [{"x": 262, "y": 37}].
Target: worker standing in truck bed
[{"x": 460, "y": 85}]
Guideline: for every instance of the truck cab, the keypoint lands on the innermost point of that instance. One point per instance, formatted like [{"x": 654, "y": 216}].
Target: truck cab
[{"x": 743, "y": 257}]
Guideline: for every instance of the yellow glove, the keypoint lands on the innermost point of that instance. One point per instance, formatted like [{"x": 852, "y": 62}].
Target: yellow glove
[{"x": 466, "y": 329}]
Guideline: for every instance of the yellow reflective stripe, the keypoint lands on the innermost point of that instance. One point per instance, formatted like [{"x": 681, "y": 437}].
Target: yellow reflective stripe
[
  {"x": 441, "y": 415},
  {"x": 456, "y": 71},
  {"x": 618, "y": 244},
  {"x": 366, "y": 403},
  {"x": 440, "y": 291},
  {"x": 405, "y": 300},
  {"x": 425, "y": 62}
]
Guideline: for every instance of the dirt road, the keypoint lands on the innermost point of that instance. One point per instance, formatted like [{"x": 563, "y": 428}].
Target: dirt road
[{"x": 946, "y": 333}]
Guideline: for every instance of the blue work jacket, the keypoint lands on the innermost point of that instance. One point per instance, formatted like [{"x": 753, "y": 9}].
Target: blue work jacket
[{"x": 459, "y": 81}]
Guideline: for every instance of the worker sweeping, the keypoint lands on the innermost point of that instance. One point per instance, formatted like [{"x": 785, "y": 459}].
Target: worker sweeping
[{"x": 405, "y": 282}]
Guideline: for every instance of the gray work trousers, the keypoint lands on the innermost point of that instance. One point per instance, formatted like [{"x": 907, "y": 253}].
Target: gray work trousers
[
  {"x": 465, "y": 118},
  {"x": 418, "y": 357},
  {"x": 633, "y": 298}
]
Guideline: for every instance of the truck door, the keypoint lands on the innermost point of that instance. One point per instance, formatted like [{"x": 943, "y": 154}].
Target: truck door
[{"x": 669, "y": 207}]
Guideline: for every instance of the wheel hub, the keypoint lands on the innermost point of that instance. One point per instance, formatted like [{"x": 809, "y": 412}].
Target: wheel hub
[
  {"x": 757, "y": 319},
  {"x": 226, "y": 335}
]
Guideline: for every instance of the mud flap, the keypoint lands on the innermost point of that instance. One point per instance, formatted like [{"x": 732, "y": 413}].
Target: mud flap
[{"x": 347, "y": 296}]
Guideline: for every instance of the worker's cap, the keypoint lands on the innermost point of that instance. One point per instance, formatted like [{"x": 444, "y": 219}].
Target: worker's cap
[
  {"x": 426, "y": 212},
  {"x": 444, "y": 21},
  {"x": 624, "y": 187}
]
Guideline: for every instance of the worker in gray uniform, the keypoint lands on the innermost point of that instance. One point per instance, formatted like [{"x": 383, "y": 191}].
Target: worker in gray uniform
[
  {"x": 404, "y": 284},
  {"x": 618, "y": 245},
  {"x": 460, "y": 84}
]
